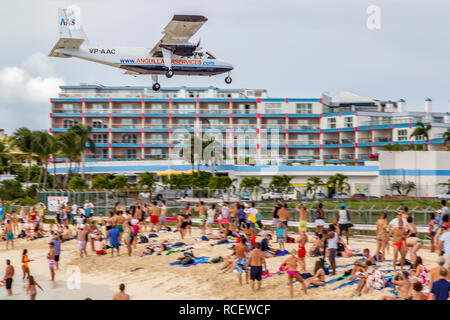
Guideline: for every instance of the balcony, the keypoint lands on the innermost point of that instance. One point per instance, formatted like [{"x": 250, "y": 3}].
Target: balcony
[
  {"x": 249, "y": 111},
  {"x": 382, "y": 139},
  {"x": 330, "y": 142},
  {"x": 156, "y": 141},
  {"x": 344, "y": 141},
  {"x": 304, "y": 142},
  {"x": 156, "y": 111},
  {"x": 66, "y": 110},
  {"x": 275, "y": 126},
  {"x": 330, "y": 156},
  {"x": 303, "y": 126},
  {"x": 214, "y": 111},
  {"x": 214, "y": 126},
  {"x": 126, "y": 126},
  {"x": 126, "y": 111},
  {"x": 183, "y": 126},
  {"x": 97, "y": 110},
  {"x": 305, "y": 157},
  {"x": 183, "y": 111},
  {"x": 244, "y": 126},
  {"x": 363, "y": 156},
  {"x": 348, "y": 156},
  {"x": 162, "y": 156},
  {"x": 156, "y": 126},
  {"x": 364, "y": 140}
]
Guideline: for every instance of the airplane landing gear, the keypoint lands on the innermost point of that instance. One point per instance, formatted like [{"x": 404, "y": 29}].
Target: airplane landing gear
[
  {"x": 156, "y": 86},
  {"x": 169, "y": 73},
  {"x": 228, "y": 80}
]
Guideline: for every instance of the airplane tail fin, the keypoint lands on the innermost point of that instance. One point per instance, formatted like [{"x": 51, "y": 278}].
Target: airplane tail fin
[{"x": 71, "y": 33}]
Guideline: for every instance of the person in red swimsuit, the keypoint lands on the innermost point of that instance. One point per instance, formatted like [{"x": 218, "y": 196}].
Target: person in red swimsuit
[
  {"x": 398, "y": 237},
  {"x": 301, "y": 253}
]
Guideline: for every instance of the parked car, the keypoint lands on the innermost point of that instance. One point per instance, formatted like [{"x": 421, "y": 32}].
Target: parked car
[
  {"x": 272, "y": 195},
  {"x": 245, "y": 195},
  {"x": 341, "y": 195},
  {"x": 320, "y": 196},
  {"x": 444, "y": 196},
  {"x": 291, "y": 195},
  {"x": 359, "y": 196},
  {"x": 163, "y": 192}
]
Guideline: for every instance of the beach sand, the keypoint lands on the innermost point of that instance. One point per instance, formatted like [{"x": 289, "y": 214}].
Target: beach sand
[{"x": 154, "y": 278}]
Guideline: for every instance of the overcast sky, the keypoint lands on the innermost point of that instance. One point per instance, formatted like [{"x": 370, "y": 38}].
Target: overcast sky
[{"x": 292, "y": 48}]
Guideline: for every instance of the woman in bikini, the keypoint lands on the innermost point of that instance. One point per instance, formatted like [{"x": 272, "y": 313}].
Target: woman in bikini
[
  {"x": 290, "y": 265},
  {"x": 188, "y": 212},
  {"x": 31, "y": 289},
  {"x": 211, "y": 216},
  {"x": 128, "y": 238},
  {"x": 25, "y": 266},
  {"x": 413, "y": 243},
  {"x": 318, "y": 279},
  {"x": 382, "y": 238},
  {"x": 182, "y": 224}
]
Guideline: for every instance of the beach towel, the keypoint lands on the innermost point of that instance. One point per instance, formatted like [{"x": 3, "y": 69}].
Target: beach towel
[
  {"x": 153, "y": 235},
  {"x": 197, "y": 260},
  {"x": 282, "y": 253}
]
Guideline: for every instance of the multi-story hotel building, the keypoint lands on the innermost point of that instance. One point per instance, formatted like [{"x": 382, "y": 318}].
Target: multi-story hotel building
[{"x": 136, "y": 123}]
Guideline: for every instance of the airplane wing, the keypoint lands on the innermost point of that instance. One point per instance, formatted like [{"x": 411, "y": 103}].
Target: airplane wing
[{"x": 178, "y": 31}]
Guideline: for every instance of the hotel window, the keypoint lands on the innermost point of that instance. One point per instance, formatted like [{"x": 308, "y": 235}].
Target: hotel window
[
  {"x": 245, "y": 123},
  {"x": 273, "y": 108},
  {"x": 130, "y": 153},
  {"x": 98, "y": 124},
  {"x": 186, "y": 123},
  {"x": 129, "y": 138},
  {"x": 129, "y": 123},
  {"x": 101, "y": 153},
  {"x": 129, "y": 108},
  {"x": 69, "y": 123},
  {"x": 305, "y": 138},
  {"x": 308, "y": 154},
  {"x": 100, "y": 138},
  {"x": 245, "y": 109},
  {"x": 304, "y": 124},
  {"x": 348, "y": 122},
  {"x": 158, "y": 123},
  {"x": 214, "y": 124},
  {"x": 185, "y": 108},
  {"x": 158, "y": 108},
  {"x": 216, "y": 108},
  {"x": 158, "y": 138},
  {"x": 70, "y": 108},
  {"x": 100, "y": 108},
  {"x": 304, "y": 108},
  {"x": 331, "y": 123},
  {"x": 275, "y": 123},
  {"x": 402, "y": 135}
]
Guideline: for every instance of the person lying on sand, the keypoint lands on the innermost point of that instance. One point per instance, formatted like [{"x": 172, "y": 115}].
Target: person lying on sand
[
  {"x": 229, "y": 263},
  {"x": 403, "y": 287},
  {"x": 318, "y": 279},
  {"x": 150, "y": 249}
]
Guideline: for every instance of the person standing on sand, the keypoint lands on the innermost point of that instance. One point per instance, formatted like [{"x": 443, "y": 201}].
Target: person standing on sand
[
  {"x": 290, "y": 265},
  {"x": 154, "y": 217},
  {"x": 121, "y": 295},
  {"x": 319, "y": 219},
  {"x": 8, "y": 278},
  {"x": 31, "y": 289},
  {"x": 303, "y": 217},
  {"x": 9, "y": 234},
  {"x": 163, "y": 217},
  {"x": 398, "y": 234},
  {"x": 201, "y": 209},
  {"x": 382, "y": 237},
  {"x": 434, "y": 273},
  {"x": 332, "y": 239},
  {"x": 241, "y": 260},
  {"x": 25, "y": 266},
  {"x": 82, "y": 235},
  {"x": 113, "y": 236},
  {"x": 57, "y": 245},
  {"x": 301, "y": 253},
  {"x": 256, "y": 260},
  {"x": 51, "y": 260}
]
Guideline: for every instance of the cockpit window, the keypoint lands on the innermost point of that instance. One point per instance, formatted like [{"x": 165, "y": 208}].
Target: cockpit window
[{"x": 209, "y": 55}]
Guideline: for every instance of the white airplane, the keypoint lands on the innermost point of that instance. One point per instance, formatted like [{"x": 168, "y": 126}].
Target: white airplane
[{"x": 172, "y": 55}]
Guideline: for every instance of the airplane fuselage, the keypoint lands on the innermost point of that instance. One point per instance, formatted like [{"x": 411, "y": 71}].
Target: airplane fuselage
[{"x": 139, "y": 61}]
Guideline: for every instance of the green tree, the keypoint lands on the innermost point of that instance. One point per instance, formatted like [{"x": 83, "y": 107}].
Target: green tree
[
  {"x": 11, "y": 190},
  {"x": 147, "y": 182},
  {"x": 119, "y": 182},
  {"x": 101, "y": 182},
  {"x": 282, "y": 182},
  {"x": 84, "y": 142},
  {"x": 446, "y": 137},
  {"x": 220, "y": 183},
  {"x": 68, "y": 144},
  {"x": 23, "y": 139},
  {"x": 421, "y": 130},
  {"x": 43, "y": 146},
  {"x": 313, "y": 184},
  {"x": 394, "y": 147},
  {"x": 402, "y": 188},
  {"x": 77, "y": 183},
  {"x": 6, "y": 157}
]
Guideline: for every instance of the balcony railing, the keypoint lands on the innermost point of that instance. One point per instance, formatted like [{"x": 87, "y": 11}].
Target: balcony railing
[
  {"x": 249, "y": 111},
  {"x": 272, "y": 126},
  {"x": 244, "y": 126},
  {"x": 183, "y": 126},
  {"x": 363, "y": 156},
  {"x": 162, "y": 156},
  {"x": 183, "y": 111},
  {"x": 347, "y": 141},
  {"x": 125, "y": 111},
  {"x": 156, "y": 126},
  {"x": 156, "y": 110},
  {"x": 61, "y": 110},
  {"x": 330, "y": 142},
  {"x": 382, "y": 139},
  {"x": 156, "y": 141},
  {"x": 364, "y": 140},
  {"x": 214, "y": 126},
  {"x": 215, "y": 111},
  {"x": 88, "y": 110},
  {"x": 304, "y": 142},
  {"x": 348, "y": 156},
  {"x": 126, "y": 126},
  {"x": 330, "y": 156},
  {"x": 303, "y": 126},
  {"x": 306, "y": 157}
]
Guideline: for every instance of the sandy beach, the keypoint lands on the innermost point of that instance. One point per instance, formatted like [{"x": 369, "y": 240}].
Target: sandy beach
[{"x": 152, "y": 276}]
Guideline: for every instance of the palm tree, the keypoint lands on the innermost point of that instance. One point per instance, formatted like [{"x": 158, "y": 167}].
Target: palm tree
[
  {"x": 43, "y": 146},
  {"x": 69, "y": 143},
  {"x": 313, "y": 184},
  {"x": 282, "y": 182},
  {"x": 83, "y": 132},
  {"x": 23, "y": 139},
  {"x": 251, "y": 183},
  {"x": 446, "y": 137},
  {"x": 341, "y": 182},
  {"x": 5, "y": 157},
  {"x": 147, "y": 181},
  {"x": 422, "y": 130},
  {"x": 393, "y": 147},
  {"x": 446, "y": 184}
]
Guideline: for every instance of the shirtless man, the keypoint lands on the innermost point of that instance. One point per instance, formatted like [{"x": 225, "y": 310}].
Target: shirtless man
[
  {"x": 241, "y": 260},
  {"x": 302, "y": 240},
  {"x": 303, "y": 217},
  {"x": 403, "y": 286},
  {"x": 82, "y": 240},
  {"x": 119, "y": 221},
  {"x": 163, "y": 216},
  {"x": 256, "y": 260},
  {"x": 121, "y": 295},
  {"x": 201, "y": 209},
  {"x": 291, "y": 268},
  {"x": 283, "y": 214},
  {"x": 8, "y": 278},
  {"x": 398, "y": 234},
  {"x": 51, "y": 260},
  {"x": 9, "y": 234},
  {"x": 434, "y": 273},
  {"x": 154, "y": 216}
]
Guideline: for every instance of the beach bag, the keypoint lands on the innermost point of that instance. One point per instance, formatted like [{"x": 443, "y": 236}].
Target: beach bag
[
  {"x": 187, "y": 260},
  {"x": 290, "y": 240},
  {"x": 143, "y": 239},
  {"x": 152, "y": 235},
  {"x": 216, "y": 260},
  {"x": 340, "y": 247},
  {"x": 205, "y": 238}
]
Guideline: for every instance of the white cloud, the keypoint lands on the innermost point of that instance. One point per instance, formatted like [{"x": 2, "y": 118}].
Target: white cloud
[
  {"x": 20, "y": 85},
  {"x": 25, "y": 92}
]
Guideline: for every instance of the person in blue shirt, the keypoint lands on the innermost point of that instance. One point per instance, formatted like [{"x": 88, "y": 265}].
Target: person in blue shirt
[
  {"x": 2, "y": 212},
  {"x": 57, "y": 247},
  {"x": 440, "y": 289},
  {"x": 281, "y": 234},
  {"x": 113, "y": 235}
]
